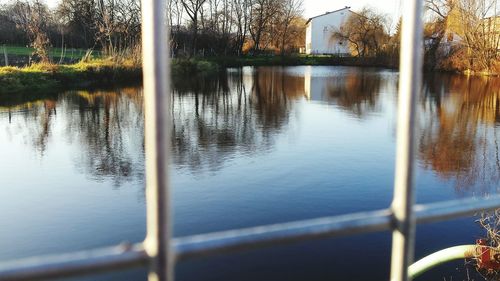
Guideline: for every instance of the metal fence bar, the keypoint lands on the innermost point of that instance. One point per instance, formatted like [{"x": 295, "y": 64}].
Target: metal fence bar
[
  {"x": 410, "y": 67},
  {"x": 356, "y": 223},
  {"x": 77, "y": 263},
  {"x": 252, "y": 237},
  {"x": 447, "y": 210},
  {"x": 156, "y": 80},
  {"x": 237, "y": 240}
]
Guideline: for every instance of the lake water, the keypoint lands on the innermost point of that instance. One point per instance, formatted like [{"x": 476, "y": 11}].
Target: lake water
[{"x": 252, "y": 146}]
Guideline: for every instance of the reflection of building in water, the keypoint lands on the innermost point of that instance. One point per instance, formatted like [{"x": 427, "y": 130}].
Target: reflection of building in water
[
  {"x": 458, "y": 137},
  {"x": 354, "y": 90},
  {"x": 315, "y": 86}
]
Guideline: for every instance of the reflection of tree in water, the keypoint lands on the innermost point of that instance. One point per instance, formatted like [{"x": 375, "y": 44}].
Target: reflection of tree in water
[
  {"x": 272, "y": 91},
  {"x": 49, "y": 109},
  {"x": 459, "y": 138},
  {"x": 37, "y": 120},
  {"x": 214, "y": 119},
  {"x": 109, "y": 127},
  {"x": 355, "y": 91},
  {"x": 217, "y": 117}
]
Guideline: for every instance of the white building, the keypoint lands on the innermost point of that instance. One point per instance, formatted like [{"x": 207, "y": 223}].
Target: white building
[{"x": 319, "y": 33}]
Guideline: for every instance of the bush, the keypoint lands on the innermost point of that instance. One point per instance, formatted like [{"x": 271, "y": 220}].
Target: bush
[
  {"x": 193, "y": 66},
  {"x": 455, "y": 61}
]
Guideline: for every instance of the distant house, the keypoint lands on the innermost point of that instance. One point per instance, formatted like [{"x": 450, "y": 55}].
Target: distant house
[
  {"x": 491, "y": 27},
  {"x": 453, "y": 34},
  {"x": 319, "y": 32}
]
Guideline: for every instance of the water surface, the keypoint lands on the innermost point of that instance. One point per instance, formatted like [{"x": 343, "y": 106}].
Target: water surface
[{"x": 249, "y": 147}]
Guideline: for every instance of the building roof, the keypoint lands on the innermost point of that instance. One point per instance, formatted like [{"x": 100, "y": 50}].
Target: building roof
[{"x": 327, "y": 13}]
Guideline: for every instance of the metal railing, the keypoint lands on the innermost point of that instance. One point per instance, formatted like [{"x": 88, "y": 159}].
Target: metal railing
[{"x": 160, "y": 252}]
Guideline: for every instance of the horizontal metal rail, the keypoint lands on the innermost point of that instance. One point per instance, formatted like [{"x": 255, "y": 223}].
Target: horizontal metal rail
[
  {"x": 252, "y": 237},
  {"x": 355, "y": 223},
  {"x": 453, "y": 209},
  {"x": 89, "y": 262},
  {"x": 76, "y": 263}
]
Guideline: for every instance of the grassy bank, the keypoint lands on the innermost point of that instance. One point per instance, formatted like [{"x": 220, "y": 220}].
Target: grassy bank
[
  {"x": 45, "y": 78},
  {"x": 194, "y": 66},
  {"x": 50, "y": 77},
  {"x": 293, "y": 60},
  {"x": 208, "y": 65}
]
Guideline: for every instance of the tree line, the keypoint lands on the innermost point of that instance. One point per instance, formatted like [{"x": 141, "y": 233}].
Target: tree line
[
  {"x": 234, "y": 27},
  {"x": 108, "y": 25},
  {"x": 198, "y": 27}
]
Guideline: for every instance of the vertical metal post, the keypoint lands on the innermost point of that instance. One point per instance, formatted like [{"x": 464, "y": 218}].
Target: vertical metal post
[
  {"x": 410, "y": 79},
  {"x": 156, "y": 78}
]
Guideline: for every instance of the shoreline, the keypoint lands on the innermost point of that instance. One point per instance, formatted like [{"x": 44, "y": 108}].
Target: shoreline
[
  {"x": 44, "y": 78},
  {"x": 310, "y": 60}
]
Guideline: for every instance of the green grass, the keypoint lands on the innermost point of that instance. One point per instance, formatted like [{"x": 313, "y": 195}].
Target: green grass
[
  {"x": 193, "y": 66},
  {"x": 264, "y": 60},
  {"x": 42, "y": 78},
  {"x": 55, "y": 53},
  {"x": 45, "y": 78},
  {"x": 293, "y": 60}
]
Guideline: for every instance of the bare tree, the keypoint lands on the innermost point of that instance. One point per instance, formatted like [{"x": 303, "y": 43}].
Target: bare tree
[
  {"x": 440, "y": 8},
  {"x": 476, "y": 24},
  {"x": 78, "y": 17},
  {"x": 105, "y": 23},
  {"x": 129, "y": 24},
  {"x": 193, "y": 9},
  {"x": 480, "y": 32},
  {"x": 242, "y": 9},
  {"x": 262, "y": 12},
  {"x": 32, "y": 17},
  {"x": 365, "y": 31},
  {"x": 175, "y": 12},
  {"x": 290, "y": 14},
  {"x": 9, "y": 32}
]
